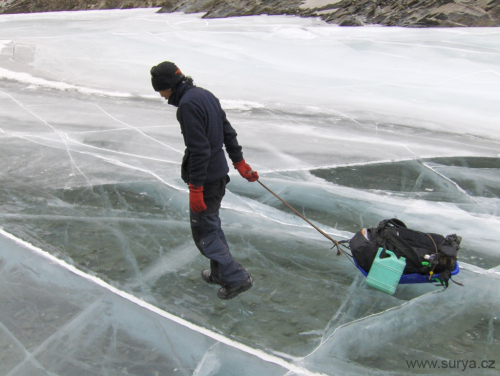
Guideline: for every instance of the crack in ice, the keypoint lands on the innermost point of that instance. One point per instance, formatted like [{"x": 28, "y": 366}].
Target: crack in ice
[
  {"x": 266, "y": 357},
  {"x": 57, "y": 132},
  {"x": 138, "y": 130}
]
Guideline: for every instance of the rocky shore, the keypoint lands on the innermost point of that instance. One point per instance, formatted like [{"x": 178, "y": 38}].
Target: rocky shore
[
  {"x": 34, "y": 6},
  {"x": 407, "y": 13}
]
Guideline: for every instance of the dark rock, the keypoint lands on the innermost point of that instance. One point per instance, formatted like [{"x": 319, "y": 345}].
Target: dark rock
[
  {"x": 441, "y": 16},
  {"x": 428, "y": 21},
  {"x": 350, "y": 21}
]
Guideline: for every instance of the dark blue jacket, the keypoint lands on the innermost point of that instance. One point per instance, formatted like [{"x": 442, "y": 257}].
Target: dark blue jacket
[{"x": 205, "y": 130}]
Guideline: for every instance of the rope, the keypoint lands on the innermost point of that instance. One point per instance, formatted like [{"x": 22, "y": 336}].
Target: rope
[
  {"x": 335, "y": 243},
  {"x": 433, "y": 242}
]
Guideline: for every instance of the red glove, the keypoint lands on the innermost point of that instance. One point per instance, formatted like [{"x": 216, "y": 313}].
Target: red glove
[
  {"x": 246, "y": 171},
  {"x": 196, "y": 201}
]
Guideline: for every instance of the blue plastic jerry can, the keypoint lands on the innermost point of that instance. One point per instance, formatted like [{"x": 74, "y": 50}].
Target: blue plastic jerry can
[{"x": 385, "y": 273}]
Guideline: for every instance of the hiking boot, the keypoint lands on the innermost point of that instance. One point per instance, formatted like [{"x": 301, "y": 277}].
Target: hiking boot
[
  {"x": 227, "y": 292},
  {"x": 208, "y": 277}
]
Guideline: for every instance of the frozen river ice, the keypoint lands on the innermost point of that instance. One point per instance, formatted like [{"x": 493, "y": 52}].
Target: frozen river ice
[{"x": 99, "y": 273}]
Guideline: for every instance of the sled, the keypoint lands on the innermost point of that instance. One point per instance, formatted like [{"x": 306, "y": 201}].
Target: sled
[{"x": 415, "y": 278}]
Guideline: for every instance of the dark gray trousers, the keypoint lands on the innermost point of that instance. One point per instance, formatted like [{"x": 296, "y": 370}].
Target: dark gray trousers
[{"x": 210, "y": 239}]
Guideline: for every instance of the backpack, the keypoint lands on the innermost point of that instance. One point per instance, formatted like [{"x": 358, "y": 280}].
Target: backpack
[{"x": 425, "y": 253}]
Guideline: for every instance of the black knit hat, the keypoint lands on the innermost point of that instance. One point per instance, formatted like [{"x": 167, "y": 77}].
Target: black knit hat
[{"x": 165, "y": 76}]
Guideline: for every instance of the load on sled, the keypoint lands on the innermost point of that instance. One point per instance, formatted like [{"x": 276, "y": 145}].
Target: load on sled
[{"x": 392, "y": 254}]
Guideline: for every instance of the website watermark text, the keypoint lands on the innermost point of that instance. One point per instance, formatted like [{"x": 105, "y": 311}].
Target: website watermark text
[{"x": 461, "y": 365}]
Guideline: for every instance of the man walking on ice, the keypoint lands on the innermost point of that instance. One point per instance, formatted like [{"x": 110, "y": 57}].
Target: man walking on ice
[{"x": 204, "y": 168}]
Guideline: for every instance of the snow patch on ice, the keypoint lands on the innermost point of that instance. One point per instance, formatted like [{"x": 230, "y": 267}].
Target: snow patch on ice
[
  {"x": 32, "y": 82},
  {"x": 4, "y": 43},
  {"x": 241, "y": 105},
  {"x": 295, "y": 33}
]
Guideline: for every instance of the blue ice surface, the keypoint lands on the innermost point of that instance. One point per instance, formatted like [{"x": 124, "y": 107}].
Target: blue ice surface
[{"x": 348, "y": 125}]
